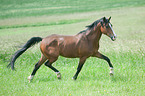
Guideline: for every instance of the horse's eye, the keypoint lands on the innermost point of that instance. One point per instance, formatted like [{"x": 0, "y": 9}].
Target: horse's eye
[
  {"x": 111, "y": 25},
  {"x": 107, "y": 26}
]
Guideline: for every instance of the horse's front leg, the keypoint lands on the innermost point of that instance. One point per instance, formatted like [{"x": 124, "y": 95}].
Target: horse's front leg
[
  {"x": 80, "y": 65},
  {"x": 101, "y": 56}
]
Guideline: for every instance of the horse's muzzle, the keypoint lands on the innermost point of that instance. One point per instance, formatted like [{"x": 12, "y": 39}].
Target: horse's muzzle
[{"x": 113, "y": 38}]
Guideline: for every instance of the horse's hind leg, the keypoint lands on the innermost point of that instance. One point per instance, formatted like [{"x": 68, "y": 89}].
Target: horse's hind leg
[
  {"x": 37, "y": 66},
  {"x": 49, "y": 64}
]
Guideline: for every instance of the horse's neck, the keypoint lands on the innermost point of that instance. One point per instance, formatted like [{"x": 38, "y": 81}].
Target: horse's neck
[{"x": 94, "y": 35}]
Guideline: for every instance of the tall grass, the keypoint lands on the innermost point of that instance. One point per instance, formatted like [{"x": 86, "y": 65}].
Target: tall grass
[{"x": 94, "y": 78}]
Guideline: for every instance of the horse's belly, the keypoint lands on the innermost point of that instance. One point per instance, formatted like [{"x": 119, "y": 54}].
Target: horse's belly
[
  {"x": 69, "y": 56},
  {"x": 69, "y": 53}
]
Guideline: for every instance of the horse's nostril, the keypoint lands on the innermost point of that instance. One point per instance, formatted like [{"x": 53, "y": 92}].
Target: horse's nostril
[{"x": 113, "y": 38}]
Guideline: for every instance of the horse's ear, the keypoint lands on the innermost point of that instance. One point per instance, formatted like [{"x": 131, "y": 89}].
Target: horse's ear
[
  {"x": 104, "y": 19},
  {"x": 101, "y": 23},
  {"x": 109, "y": 18}
]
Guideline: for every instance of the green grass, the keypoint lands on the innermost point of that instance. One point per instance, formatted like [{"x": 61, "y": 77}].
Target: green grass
[
  {"x": 126, "y": 53},
  {"x": 62, "y": 22},
  {"x": 23, "y": 8}
]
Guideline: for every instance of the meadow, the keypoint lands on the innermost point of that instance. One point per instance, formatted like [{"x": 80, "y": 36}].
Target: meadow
[{"x": 20, "y": 20}]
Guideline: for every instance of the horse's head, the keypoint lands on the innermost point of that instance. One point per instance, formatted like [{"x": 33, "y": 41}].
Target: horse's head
[{"x": 106, "y": 28}]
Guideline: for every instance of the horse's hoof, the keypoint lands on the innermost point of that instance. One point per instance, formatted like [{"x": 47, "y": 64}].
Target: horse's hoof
[
  {"x": 74, "y": 78},
  {"x": 111, "y": 71},
  {"x": 30, "y": 78},
  {"x": 58, "y": 75},
  {"x": 111, "y": 74}
]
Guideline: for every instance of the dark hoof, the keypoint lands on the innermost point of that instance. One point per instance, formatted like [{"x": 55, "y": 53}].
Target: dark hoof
[
  {"x": 111, "y": 74},
  {"x": 59, "y": 75},
  {"x": 74, "y": 78}
]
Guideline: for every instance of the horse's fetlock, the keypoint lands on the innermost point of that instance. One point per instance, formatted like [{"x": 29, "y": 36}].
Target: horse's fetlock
[{"x": 30, "y": 78}]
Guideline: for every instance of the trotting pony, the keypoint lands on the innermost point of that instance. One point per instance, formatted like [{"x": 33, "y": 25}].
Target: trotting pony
[{"x": 83, "y": 45}]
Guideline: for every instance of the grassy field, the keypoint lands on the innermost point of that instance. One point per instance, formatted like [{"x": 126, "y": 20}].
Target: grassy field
[
  {"x": 23, "y": 8},
  {"x": 20, "y": 20}
]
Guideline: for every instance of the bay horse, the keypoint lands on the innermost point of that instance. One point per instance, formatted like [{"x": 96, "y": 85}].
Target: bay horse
[{"x": 83, "y": 45}]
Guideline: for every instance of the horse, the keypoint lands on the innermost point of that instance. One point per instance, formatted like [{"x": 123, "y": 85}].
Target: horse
[{"x": 83, "y": 45}]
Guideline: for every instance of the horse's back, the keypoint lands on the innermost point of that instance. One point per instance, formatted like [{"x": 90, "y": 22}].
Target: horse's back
[{"x": 56, "y": 45}]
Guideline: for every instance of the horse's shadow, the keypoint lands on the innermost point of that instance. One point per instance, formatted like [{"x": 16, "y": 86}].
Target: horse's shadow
[
  {"x": 119, "y": 78},
  {"x": 43, "y": 79},
  {"x": 113, "y": 79}
]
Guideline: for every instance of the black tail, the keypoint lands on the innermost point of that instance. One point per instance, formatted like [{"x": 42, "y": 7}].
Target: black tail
[{"x": 29, "y": 43}]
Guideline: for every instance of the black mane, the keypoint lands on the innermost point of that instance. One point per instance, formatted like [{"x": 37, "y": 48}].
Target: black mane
[{"x": 94, "y": 24}]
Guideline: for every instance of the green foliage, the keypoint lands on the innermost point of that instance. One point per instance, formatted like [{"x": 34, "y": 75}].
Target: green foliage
[{"x": 126, "y": 53}]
